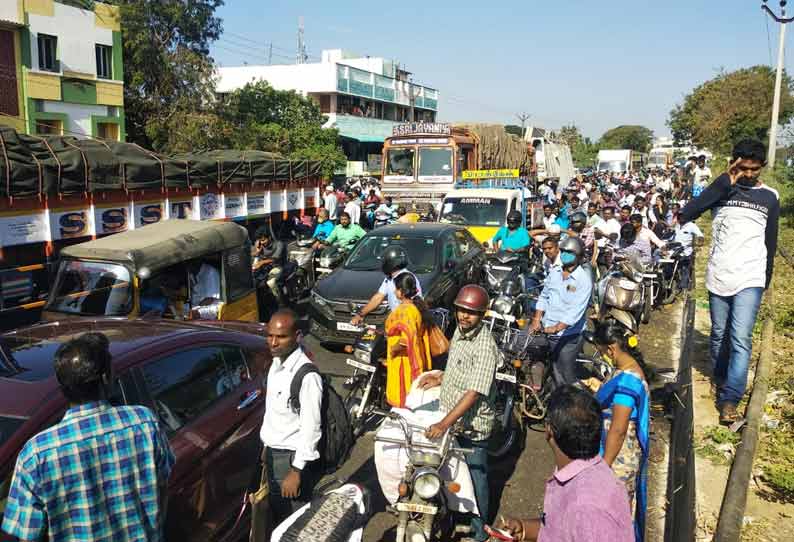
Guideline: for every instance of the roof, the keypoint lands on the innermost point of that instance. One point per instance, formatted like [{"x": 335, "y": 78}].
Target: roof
[
  {"x": 482, "y": 192},
  {"x": 162, "y": 244},
  {"x": 428, "y": 229}
]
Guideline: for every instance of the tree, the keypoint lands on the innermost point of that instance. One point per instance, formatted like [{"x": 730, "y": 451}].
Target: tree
[
  {"x": 636, "y": 138},
  {"x": 167, "y": 68},
  {"x": 570, "y": 135},
  {"x": 730, "y": 107}
]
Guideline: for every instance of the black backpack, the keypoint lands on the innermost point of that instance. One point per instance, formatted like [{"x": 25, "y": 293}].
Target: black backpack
[{"x": 337, "y": 433}]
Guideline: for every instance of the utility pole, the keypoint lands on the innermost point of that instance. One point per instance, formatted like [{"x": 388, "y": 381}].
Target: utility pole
[
  {"x": 778, "y": 77},
  {"x": 301, "y": 56},
  {"x": 270, "y": 54},
  {"x": 523, "y": 117}
]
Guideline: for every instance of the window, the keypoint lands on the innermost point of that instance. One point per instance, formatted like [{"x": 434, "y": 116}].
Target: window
[
  {"x": 237, "y": 270},
  {"x": 9, "y": 99},
  {"x": 48, "y": 53},
  {"x": 185, "y": 385},
  {"x": 91, "y": 288},
  {"x": 104, "y": 61},
  {"x": 107, "y": 130},
  {"x": 49, "y": 127},
  {"x": 450, "y": 251}
]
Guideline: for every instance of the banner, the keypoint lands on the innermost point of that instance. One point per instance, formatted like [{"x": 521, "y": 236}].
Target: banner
[
  {"x": 147, "y": 212},
  {"x": 490, "y": 174},
  {"x": 23, "y": 229},
  {"x": 181, "y": 208},
  {"x": 210, "y": 206},
  {"x": 235, "y": 205},
  {"x": 72, "y": 223},
  {"x": 113, "y": 218},
  {"x": 258, "y": 203},
  {"x": 294, "y": 200},
  {"x": 278, "y": 201}
]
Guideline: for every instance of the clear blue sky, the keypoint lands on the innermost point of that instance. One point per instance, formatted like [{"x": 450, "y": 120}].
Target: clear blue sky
[{"x": 596, "y": 63}]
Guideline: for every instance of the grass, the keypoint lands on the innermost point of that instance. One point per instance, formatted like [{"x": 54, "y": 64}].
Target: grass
[{"x": 711, "y": 444}]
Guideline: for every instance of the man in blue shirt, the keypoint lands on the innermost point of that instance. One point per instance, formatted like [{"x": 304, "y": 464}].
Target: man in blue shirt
[
  {"x": 324, "y": 226},
  {"x": 513, "y": 237},
  {"x": 561, "y": 310}
]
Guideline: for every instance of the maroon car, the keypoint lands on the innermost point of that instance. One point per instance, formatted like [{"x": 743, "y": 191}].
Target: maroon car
[{"x": 203, "y": 380}]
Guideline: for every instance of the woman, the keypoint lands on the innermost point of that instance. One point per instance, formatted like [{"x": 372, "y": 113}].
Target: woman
[
  {"x": 407, "y": 345},
  {"x": 625, "y": 403}
]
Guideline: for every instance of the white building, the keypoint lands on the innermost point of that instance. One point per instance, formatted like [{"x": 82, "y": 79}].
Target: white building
[{"x": 363, "y": 97}]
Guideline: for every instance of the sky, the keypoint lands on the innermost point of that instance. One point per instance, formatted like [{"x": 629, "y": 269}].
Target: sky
[{"x": 596, "y": 64}]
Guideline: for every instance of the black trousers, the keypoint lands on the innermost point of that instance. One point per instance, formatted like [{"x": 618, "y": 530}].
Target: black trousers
[{"x": 277, "y": 465}]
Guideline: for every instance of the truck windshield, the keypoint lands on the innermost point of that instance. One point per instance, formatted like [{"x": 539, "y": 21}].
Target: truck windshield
[
  {"x": 435, "y": 162},
  {"x": 91, "y": 288},
  {"x": 613, "y": 165},
  {"x": 474, "y": 211},
  {"x": 400, "y": 162}
]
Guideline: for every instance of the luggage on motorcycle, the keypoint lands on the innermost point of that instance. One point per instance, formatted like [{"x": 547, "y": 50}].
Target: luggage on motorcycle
[
  {"x": 333, "y": 517},
  {"x": 623, "y": 293},
  {"x": 337, "y": 432}
]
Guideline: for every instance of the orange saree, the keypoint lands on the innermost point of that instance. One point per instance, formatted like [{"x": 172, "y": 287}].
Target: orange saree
[{"x": 407, "y": 352}]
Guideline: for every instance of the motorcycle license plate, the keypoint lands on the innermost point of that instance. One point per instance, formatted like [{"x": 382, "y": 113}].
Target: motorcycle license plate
[
  {"x": 344, "y": 326},
  {"x": 324, "y": 270},
  {"x": 501, "y": 268},
  {"x": 363, "y": 366},
  {"x": 505, "y": 377},
  {"x": 505, "y": 317},
  {"x": 415, "y": 508}
]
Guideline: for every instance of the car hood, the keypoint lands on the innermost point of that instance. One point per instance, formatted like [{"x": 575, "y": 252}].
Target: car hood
[{"x": 351, "y": 285}]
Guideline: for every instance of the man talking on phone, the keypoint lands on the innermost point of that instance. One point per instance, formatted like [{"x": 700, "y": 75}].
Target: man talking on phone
[{"x": 744, "y": 240}]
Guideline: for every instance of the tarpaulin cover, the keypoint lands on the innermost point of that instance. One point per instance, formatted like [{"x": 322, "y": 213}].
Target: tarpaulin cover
[{"x": 50, "y": 165}]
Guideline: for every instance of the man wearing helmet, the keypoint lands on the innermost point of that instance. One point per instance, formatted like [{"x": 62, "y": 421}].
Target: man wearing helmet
[
  {"x": 468, "y": 392},
  {"x": 561, "y": 309},
  {"x": 395, "y": 262},
  {"x": 513, "y": 237}
]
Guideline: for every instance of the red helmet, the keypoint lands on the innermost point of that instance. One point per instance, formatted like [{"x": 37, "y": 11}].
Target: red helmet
[{"x": 472, "y": 297}]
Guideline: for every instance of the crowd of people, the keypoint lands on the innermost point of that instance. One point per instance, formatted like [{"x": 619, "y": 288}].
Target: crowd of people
[{"x": 599, "y": 439}]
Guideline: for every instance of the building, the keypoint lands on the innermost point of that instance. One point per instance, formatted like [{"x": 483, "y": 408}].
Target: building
[
  {"x": 363, "y": 97},
  {"x": 61, "y": 68}
]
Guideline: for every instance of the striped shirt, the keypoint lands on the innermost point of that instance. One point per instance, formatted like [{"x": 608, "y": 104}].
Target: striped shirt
[
  {"x": 96, "y": 475},
  {"x": 471, "y": 365}
]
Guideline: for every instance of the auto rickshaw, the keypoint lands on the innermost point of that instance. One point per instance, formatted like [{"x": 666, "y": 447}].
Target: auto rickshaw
[{"x": 180, "y": 269}]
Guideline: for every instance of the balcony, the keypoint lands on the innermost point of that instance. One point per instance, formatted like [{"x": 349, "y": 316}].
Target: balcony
[{"x": 356, "y": 82}]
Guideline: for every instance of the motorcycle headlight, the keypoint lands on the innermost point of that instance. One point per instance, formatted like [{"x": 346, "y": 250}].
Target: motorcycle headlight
[
  {"x": 427, "y": 483},
  {"x": 361, "y": 355},
  {"x": 301, "y": 257},
  {"x": 502, "y": 305}
]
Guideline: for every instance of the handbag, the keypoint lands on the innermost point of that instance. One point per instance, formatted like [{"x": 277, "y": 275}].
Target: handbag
[
  {"x": 259, "y": 501},
  {"x": 438, "y": 342}
]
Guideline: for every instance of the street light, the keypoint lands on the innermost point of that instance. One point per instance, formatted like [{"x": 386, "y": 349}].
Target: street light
[{"x": 783, "y": 20}]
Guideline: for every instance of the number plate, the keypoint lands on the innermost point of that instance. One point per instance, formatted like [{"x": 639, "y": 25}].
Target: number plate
[
  {"x": 363, "y": 366},
  {"x": 415, "y": 508},
  {"x": 344, "y": 326},
  {"x": 324, "y": 269},
  {"x": 505, "y": 377},
  {"x": 501, "y": 268}
]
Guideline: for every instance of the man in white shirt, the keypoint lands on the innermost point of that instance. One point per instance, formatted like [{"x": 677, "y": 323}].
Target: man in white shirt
[
  {"x": 608, "y": 229},
  {"x": 701, "y": 174},
  {"x": 687, "y": 234},
  {"x": 330, "y": 203},
  {"x": 290, "y": 435},
  {"x": 551, "y": 254},
  {"x": 548, "y": 215},
  {"x": 205, "y": 284},
  {"x": 353, "y": 208}
]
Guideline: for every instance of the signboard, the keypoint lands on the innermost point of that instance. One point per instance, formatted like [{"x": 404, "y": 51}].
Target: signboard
[
  {"x": 440, "y": 128},
  {"x": 112, "y": 218},
  {"x": 180, "y": 208},
  {"x": 294, "y": 200},
  {"x": 147, "y": 212},
  {"x": 23, "y": 229},
  {"x": 210, "y": 206},
  {"x": 278, "y": 201},
  {"x": 235, "y": 205},
  {"x": 71, "y": 223},
  {"x": 421, "y": 141},
  {"x": 258, "y": 203},
  {"x": 491, "y": 174}
]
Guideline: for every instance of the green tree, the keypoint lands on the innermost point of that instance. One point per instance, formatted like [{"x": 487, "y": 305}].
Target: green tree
[
  {"x": 570, "y": 135},
  {"x": 167, "y": 68},
  {"x": 636, "y": 138},
  {"x": 730, "y": 107}
]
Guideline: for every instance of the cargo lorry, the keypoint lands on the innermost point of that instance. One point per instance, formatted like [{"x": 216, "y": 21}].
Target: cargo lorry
[{"x": 621, "y": 160}]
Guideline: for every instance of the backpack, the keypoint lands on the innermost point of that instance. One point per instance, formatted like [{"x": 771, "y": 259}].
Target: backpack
[{"x": 336, "y": 440}]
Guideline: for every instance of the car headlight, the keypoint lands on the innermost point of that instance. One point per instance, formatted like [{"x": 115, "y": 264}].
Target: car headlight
[{"x": 427, "y": 483}]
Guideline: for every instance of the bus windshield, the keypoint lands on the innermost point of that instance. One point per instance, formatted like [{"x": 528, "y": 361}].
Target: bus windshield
[
  {"x": 435, "y": 162},
  {"x": 400, "y": 161},
  {"x": 474, "y": 211},
  {"x": 91, "y": 288}
]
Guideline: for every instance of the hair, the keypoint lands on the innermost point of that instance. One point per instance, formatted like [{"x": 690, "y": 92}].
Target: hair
[
  {"x": 592, "y": 204},
  {"x": 574, "y": 418},
  {"x": 750, "y": 149},
  {"x": 262, "y": 231},
  {"x": 406, "y": 283},
  {"x": 344, "y": 213},
  {"x": 548, "y": 206},
  {"x": 639, "y": 198},
  {"x": 626, "y": 208},
  {"x": 628, "y": 233},
  {"x": 553, "y": 239},
  {"x": 286, "y": 312},
  {"x": 80, "y": 365},
  {"x": 636, "y": 217},
  {"x": 612, "y": 332},
  {"x": 401, "y": 210}
]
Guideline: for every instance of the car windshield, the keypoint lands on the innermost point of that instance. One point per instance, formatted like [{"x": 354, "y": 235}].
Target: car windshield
[
  {"x": 474, "y": 211},
  {"x": 612, "y": 165},
  {"x": 91, "y": 288},
  {"x": 368, "y": 254},
  {"x": 400, "y": 162},
  {"x": 435, "y": 162}
]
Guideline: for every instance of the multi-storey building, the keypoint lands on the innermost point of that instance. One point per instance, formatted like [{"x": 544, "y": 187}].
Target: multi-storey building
[{"x": 61, "y": 68}]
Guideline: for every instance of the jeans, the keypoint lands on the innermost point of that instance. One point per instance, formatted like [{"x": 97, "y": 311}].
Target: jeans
[
  {"x": 563, "y": 357},
  {"x": 278, "y": 463},
  {"x": 732, "y": 321},
  {"x": 478, "y": 467}
]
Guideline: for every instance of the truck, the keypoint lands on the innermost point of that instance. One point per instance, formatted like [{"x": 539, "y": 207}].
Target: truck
[
  {"x": 553, "y": 158},
  {"x": 621, "y": 160},
  {"x": 660, "y": 157},
  {"x": 423, "y": 160}
]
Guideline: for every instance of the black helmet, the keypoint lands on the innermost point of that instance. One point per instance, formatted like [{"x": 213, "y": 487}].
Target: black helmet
[
  {"x": 578, "y": 217},
  {"x": 513, "y": 219},
  {"x": 573, "y": 245},
  {"x": 394, "y": 259}
]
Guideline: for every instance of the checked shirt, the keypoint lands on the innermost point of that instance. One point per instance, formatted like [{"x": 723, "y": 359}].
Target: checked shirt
[
  {"x": 471, "y": 365},
  {"x": 96, "y": 475}
]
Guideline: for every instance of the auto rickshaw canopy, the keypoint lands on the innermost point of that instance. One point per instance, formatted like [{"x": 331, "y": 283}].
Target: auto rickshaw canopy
[{"x": 163, "y": 244}]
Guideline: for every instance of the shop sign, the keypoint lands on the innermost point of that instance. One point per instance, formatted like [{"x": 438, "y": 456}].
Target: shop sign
[
  {"x": 438, "y": 128},
  {"x": 491, "y": 174}
]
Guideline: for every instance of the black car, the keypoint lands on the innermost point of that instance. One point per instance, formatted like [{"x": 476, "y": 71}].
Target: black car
[{"x": 443, "y": 256}]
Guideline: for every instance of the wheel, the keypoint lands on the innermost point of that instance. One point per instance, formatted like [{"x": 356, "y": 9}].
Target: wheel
[
  {"x": 503, "y": 439},
  {"x": 352, "y": 401},
  {"x": 672, "y": 292},
  {"x": 645, "y": 316}
]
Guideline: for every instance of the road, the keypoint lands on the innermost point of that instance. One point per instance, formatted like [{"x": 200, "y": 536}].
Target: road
[{"x": 517, "y": 482}]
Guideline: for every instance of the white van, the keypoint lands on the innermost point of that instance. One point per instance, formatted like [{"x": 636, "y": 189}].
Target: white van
[{"x": 621, "y": 160}]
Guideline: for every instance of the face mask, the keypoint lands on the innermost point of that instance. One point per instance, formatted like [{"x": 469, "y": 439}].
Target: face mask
[{"x": 567, "y": 258}]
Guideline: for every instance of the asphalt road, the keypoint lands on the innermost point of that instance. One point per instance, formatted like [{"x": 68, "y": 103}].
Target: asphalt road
[{"x": 517, "y": 481}]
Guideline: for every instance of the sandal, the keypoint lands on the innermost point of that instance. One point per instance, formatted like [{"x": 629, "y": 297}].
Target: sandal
[{"x": 728, "y": 413}]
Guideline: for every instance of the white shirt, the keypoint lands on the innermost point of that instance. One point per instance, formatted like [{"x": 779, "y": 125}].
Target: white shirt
[
  {"x": 548, "y": 265},
  {"x": 701, "y": 174},
  {"x": 646, "y": 234},
  {"x": 547, "y": 222},
  {"x": 685, "y": 235},
  {"x": 282, "y": 427},
  {"x": 608, "y": 227},
  {"x": 330, "y": 205},
  {"x": 354, "y": 210},
  {"x": 206, "y": 283}
]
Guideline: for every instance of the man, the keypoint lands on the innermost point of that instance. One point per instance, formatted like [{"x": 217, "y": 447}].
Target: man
[
  {"x": 584, "y": 501},
  {"x": 344, "y": 234},
  {"x": 625, "y": 214},
  {"x": 561, "y": 309},
  {"x": 468, "y": 393},
  {"x": 290, "y": 438},
  {"x": 609, "y": 228},
  {"x": 640, "y": 208},
  {"x": 551, "y": 254},
  {"x": 548, "y": 215},
  {"x": 102, "y": 471},
  {"x": 688, "y": 234},
  {"x": 272, "y": 253},
  {"x": 387, "y": 207},
  {"x": 580, "y": 229},
  {"x": 324, "y": 226},
  {"x": 593, "y": 218},
  {"x": 395, "y": 262},
  {"x": 404, "y": 217},
  {"x": 353, "y": 208},
  {"x": 205, "y": 283},
  {"x": 372, "y": 198},
  {"x": 644, "y": 233},
  {"x": 512, "y": 237},
  {"x": 740, "y": 265},
  {"x": 700, "y": 176},
  {"x": 631, "y": 246},
  {"x": 330, "y": 202}
]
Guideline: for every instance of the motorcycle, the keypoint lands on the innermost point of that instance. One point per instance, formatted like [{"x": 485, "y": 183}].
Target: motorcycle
[
  {"x": 625, "y": 293},
  {"x": 670, "y": 273},
  {"x": 329, "y": 258},
  {"x": 384, "y": 218}
]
